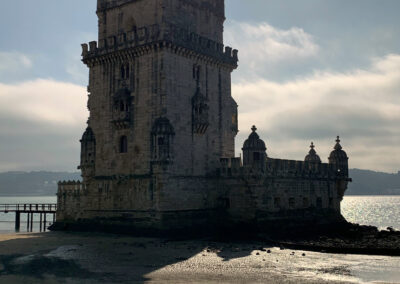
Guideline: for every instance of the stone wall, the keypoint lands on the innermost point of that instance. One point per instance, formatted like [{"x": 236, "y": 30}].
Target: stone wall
[
  {"x": 287, "y": 190},
  {"x": 204, "y": 17},
  {"x": 69, "y": 199},
  {"x": 159, "y": 202}
]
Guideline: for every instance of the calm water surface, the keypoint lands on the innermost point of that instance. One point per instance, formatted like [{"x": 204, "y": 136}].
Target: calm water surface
[
  {"x": 380, "y": 211},
  {"x": 7, "y": 221}
]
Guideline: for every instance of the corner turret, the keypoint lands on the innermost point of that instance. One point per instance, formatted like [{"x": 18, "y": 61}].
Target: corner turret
[
  {"x": 88, "y": 153},
  {"x": 312, "y": 156},
  {"x": 254, "y": 152},
  {"x": 339, "y": 159}
]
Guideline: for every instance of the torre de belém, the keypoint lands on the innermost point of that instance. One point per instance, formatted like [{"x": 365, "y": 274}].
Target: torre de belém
[{"x": 158, "y": 154}]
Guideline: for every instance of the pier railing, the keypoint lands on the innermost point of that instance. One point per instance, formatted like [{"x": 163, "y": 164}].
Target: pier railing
[{"x": 30, "y": 209}]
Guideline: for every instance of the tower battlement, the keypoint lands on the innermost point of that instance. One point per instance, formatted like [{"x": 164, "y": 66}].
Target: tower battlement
[
  {"x": 280, "y": 168},
  {"x": 174, "y": 37}
]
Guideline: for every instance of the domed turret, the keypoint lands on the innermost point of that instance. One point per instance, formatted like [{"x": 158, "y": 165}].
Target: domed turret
[
  {"x": 254, "y": 151},
  {"x": 254, "y": 142},
  {"x": 339, "y": 158},
  {"x": 312, "y": 156},
  {"x": 88, "y": 135},
  {"x": 88, "y": 153},
  {"x": 338, "y": 153}
]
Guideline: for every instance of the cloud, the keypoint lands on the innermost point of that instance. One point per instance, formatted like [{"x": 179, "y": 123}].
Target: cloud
[
  {"x": 361, "y": 105},
  {"x": 44, "y": 100},
  {"x": 75, "y": 69},
  {"x": 41, "y": 122},
  {"x": 14, "y": 61},
  {"x": 264, "y": 48}
]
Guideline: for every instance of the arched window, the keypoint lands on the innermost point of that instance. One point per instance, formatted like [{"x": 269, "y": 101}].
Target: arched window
[
  {"x": 122, "y": 109},
  {"x": 125, "y": 71},
  {"x": 162, "y": 140},
  {"x": 122, "y": 72},
  {"x": 199, "y": 113},
  {"x": 123, "y": 144}
]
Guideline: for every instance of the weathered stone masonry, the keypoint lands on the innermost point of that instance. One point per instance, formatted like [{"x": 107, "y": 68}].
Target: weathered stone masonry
[{"x": 158, "y": 152}]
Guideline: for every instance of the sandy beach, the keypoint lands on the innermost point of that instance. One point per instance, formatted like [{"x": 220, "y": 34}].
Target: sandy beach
[{"x": 63, "y": 257}]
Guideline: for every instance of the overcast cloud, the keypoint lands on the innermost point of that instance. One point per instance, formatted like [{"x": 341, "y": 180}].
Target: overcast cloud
[
  {"x": 309, "y": 70},
  {"x": 41, "y": 122},
  {"x": 363, "y": 106},
  {"x": 265, "y": 51}
]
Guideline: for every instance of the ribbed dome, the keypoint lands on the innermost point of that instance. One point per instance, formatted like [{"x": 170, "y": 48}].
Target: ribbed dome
[
  {"x": 254, "y": 142},
  {"x": 162, "y": 126},
  {"x": 88, "y": 135},
  {"x": 312, "y": 156},
  {"x": 338, "y": 153}
]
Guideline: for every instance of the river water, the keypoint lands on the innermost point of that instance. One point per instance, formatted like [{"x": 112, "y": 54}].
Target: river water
[{"x": 380, "y": 211}]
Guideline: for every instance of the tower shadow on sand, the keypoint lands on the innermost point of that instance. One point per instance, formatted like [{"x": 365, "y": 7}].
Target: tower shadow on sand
[{"x": 93, "y": 257}]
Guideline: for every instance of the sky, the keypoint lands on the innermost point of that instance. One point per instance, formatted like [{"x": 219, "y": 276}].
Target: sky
[{"x": 309, "y": 70}]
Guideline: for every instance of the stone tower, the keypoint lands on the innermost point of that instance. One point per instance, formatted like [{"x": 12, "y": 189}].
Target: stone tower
[
  {"x": 160, "y": 61},
  {"x": 161, "y": 113},
  {"x": 158, "y": 152}
]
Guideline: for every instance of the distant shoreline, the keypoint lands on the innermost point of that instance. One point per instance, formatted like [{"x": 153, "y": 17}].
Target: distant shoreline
[
  {"x": 44, "y": 183},
  {"x": 28, "y": 195},
  {"x": 55, "y": 194}
]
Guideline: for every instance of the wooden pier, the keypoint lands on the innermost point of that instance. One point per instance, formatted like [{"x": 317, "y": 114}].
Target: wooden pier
[{"x": 31, "y": 210}]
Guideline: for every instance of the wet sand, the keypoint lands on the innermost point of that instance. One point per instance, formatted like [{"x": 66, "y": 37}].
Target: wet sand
[{"x": 64, "y": 257}]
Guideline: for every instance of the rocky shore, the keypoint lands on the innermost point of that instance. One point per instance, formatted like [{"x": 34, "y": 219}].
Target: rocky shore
[{"x": 342, "y": 238}]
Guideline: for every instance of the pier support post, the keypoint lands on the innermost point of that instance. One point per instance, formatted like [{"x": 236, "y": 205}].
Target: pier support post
[
  {"x": 28, "y": 222},
  {"x": 31, "y": 222},
  {"x": 17, "y": 221},
  {"x": 41, "y": 222},
  {"x": 44, "y": 222}
]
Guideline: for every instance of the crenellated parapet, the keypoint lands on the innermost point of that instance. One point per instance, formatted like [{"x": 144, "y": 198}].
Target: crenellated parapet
[
  {"x": 299, "y": 169},
  {"x": 278, "y": 168},
  {"x": 171, "y": 37},
  {"x": 231, "y": 167},
  {"x": 71, "y": 187}
]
